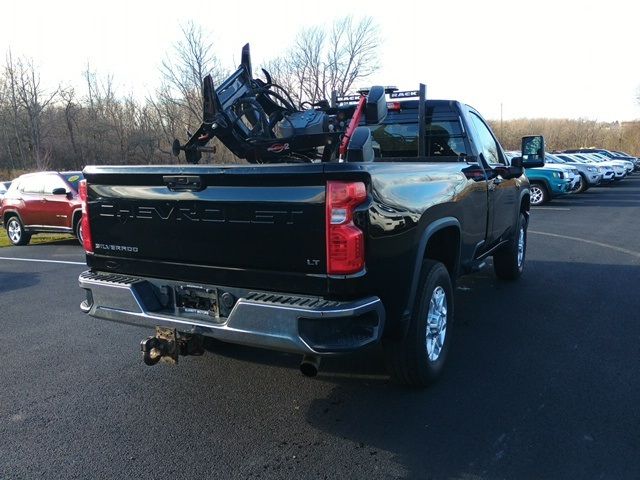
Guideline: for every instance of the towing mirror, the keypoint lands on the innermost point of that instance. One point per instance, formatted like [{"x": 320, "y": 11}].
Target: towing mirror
[
  {"x": 514, "y": 170},
  {"x": 532, "y": 151}
]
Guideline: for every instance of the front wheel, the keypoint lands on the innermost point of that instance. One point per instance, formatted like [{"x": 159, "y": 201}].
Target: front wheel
[
  {"x": 418, "y": 359},
  {"x": 508, "y": 263},
  {"x": 539, "y": 194},
  {"x": 16, "y": 232}
]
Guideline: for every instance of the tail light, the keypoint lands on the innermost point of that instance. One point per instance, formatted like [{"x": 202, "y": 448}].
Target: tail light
[
  {"x": 345, "y": 241},
  {"x": 87, "y": 241}
]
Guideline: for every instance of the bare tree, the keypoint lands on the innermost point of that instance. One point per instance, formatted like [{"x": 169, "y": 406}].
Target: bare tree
[
  {"x": 71, "y": 113},
  {"x": 320, "y": 62},
  {"x": 191, "y": 59},
  {"x": 32, "y": 97}
]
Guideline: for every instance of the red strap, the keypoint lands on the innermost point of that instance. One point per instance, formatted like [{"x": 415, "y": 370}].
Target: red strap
[{"x": 355, "y": 120}]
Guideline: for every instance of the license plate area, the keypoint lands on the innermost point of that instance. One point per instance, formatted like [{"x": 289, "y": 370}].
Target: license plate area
[{"x": 196, "y": 300}]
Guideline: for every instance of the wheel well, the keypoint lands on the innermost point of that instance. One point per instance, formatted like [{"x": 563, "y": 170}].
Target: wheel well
[
  {"x": 525, "y": 204},
  {"x": 77, "y": 215},
  {"x": 444, "y": 246},
  {"x": 541, "y": 183},
  {"x": 8, "y": 215}
]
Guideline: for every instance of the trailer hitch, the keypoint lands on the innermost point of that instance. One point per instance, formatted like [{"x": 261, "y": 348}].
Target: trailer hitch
[{"x": 167, "y": 345}]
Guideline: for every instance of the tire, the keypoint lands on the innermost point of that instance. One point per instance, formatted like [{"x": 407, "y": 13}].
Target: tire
[
  {"x": 508, "y": 263},
  {"x": 584, "y": 184},
  {"x": 16, "y": 233},
  {"x": 419, "y": 358},
  {"x": 539, "y": 193},
  {"x": 78, "y": 231}
]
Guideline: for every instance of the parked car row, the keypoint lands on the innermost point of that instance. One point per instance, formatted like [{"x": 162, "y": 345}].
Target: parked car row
[
  {"x": 577, "y": 170},
  {"x": 43, "y": 202},
  {"x": 47, "y": 202}
]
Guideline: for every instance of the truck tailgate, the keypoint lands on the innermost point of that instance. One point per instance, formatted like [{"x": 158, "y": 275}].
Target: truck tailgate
[{"x": 255, "y": 217}]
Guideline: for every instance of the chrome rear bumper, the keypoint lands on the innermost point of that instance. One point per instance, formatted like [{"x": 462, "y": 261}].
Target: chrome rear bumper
[{"x": 292, "y": 323}]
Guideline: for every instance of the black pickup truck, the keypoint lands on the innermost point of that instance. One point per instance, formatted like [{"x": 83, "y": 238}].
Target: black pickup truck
[{"x": 317, "y": 258}]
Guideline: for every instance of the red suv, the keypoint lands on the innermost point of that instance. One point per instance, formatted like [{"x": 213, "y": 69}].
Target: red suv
[{"x": 42, "y": 202}]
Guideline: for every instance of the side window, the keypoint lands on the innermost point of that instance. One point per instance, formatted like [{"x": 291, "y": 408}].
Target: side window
[
  {"x": 32, "y": 185},
  {"x": 51, "y": 182},
  {"x": 488, "y": 144}
]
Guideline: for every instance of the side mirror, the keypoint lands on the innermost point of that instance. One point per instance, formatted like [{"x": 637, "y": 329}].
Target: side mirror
[
  {"x": 532, "y": 151},
  {"x": 514, "y": 170},
  {"x": 59, "y": 191}
]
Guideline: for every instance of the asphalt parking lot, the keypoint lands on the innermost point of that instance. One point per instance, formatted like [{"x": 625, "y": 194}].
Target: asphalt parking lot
[{"x": 543, "y": 379}]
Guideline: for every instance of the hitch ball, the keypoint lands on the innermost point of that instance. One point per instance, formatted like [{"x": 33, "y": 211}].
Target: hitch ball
[{"x": 153, "y": 349}]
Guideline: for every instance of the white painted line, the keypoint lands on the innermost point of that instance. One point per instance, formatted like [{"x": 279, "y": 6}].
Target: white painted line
[
  {"x": 592, "y": 242},
  {"x": 42, "y": 260},
  {"x": 550, "y": 208}
]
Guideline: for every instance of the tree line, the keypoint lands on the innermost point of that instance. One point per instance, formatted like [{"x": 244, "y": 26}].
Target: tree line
[
  {"x": 69, "y": 127},
  {"x": 561, "y": 134}
]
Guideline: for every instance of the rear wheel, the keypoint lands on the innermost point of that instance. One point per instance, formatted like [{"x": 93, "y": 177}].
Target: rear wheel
[
  {"x": 539, "y": 194},
  {"x": 78, "y": 230},
  {"x": 16, "y": 232},
  {"x": 418, "y": 358}
]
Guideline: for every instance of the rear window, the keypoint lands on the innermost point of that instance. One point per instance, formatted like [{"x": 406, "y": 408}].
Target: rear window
[
  {"x": 73, "y": 179},
  {"x": 443, "y": 139}
]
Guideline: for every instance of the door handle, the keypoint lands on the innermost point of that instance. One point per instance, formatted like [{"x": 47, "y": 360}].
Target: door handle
[{"x": 182, "y": 183}]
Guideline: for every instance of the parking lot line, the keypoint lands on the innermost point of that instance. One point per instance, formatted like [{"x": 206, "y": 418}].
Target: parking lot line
[
  {"x": 592, "y": 242},
  {"x": 42, "y": 260},
  {"x": 549, "y": 208}
]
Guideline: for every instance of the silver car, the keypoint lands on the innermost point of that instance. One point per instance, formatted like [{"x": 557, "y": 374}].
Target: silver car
[
  {"x": 619, "y": 168},
  {"x": 627, "y": 164},
  {"x": 607, "y": 172}
]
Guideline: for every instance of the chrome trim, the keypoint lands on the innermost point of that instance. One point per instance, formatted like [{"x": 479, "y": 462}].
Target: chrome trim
[{"x": 134, "y": 301}]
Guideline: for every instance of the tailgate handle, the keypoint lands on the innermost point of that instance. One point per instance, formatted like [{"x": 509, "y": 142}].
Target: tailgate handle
[{"x": 182, "y": 183}]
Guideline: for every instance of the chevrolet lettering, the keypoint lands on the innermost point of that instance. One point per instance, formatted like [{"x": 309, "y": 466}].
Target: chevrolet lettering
[{"x": 199, "y": 214}]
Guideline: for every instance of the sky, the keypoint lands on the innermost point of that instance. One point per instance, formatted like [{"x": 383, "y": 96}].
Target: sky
[{"x": 556, "y": 59}]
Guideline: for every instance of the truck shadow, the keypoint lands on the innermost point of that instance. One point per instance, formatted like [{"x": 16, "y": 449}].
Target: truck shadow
[
  {"x": 524, "y": 395},
  {"x": 522, "y": 388}
]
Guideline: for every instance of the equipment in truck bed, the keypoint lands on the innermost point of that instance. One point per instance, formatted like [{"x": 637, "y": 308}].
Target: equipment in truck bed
[{"x": 257, "y": 120}]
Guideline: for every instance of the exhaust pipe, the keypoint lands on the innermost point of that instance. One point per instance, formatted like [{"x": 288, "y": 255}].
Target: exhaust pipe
[{"x": 310, "y": 365}]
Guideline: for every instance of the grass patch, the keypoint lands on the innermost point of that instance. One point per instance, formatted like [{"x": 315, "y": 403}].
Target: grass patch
[{"x": 37, "y": 238}]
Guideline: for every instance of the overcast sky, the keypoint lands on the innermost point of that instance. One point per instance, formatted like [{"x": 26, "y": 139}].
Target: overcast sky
[{"x": 539, "y": 58}]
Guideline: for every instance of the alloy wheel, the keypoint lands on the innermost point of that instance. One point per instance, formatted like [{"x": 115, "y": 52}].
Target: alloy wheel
[
  {"x": 14, "y": 230},
  {"x": 536, "y": 195},
  {"x": 521, "y": 246},
  {"x": 436, "y": 323}
]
